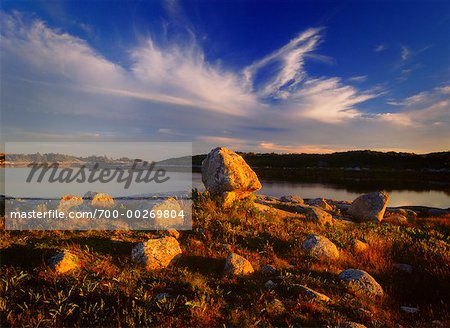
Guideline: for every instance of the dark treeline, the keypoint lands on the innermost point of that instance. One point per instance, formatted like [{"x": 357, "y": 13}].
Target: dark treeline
[{"x": 358, "y": 160}]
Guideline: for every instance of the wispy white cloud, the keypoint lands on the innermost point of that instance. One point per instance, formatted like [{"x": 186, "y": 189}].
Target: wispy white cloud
[
  {"x": 405, "y": 53},
  {"x": 380, "y": 48},
  {"x": 172, "y": 91},
  {"x": 359, "y": 78}
]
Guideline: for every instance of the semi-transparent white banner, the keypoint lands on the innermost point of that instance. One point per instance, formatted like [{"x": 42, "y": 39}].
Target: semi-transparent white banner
[{"x": 98, "y": 186}]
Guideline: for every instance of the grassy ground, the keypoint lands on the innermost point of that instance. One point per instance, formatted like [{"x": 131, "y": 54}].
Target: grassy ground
[{"x": 109, "y": 290}]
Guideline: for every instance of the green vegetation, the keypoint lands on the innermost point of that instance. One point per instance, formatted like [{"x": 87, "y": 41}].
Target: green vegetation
[{"x": 109, "y": 290}]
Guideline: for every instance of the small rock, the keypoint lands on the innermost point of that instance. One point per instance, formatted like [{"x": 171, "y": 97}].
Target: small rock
[
  {"x": 319, "y": 216},
  {"x": 99, "y": 199},
  {"x": 369, "y": 207},
  {"x": 320, "y": 203},
  {"x": 270, "y": 269},
  {"x": 69, "y": 201},
  {"x": 397, "y": 218},
  {"x": 275, "y": 307},
  {"x": 291, "y": 199},
  {"x": 63, "y": 262},
  {"x": 361, "y": 280},
  {"x": 358, "y": 246},
  {"x": 270, "y": 285},
  {"x": 156, "y": 253},
  {"x": 226, "y": 174},
  {"x": 311, "y": 295},
  {"x": 408, "y": 309},
  {"x": 320, "y": 247},
  {"x": 167, "y": 219},
  {"x": 237, "y": 265},
  {"x": 403, "y": 267}
]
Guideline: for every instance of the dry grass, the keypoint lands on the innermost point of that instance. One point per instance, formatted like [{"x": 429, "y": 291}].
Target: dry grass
[{"x": 109, "y": 290}]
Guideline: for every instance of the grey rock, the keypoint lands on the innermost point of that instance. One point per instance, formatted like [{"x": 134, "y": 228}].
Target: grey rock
[
  {"x": 319, "y": 216},
  {"x": 362, "y": 281},
  {"x": 408, "y": 309},
  {"x": 157, "y": 253},
  {"x": 291, "y": 199},
  {"x": 320, "y": 247},
  {"x": 369, "y": 207},
  {"x": 237, "y": 265},
  {"x": 270, "y": 269},
  {"x": 403, "y": 267},
  {"x": 226, "y": 174}
]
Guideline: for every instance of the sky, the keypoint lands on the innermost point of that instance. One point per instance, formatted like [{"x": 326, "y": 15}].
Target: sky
[{"x": 261, "y": 76}]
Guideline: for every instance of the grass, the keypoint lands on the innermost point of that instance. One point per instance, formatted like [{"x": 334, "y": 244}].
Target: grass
[{"x": 109, "y": 290}]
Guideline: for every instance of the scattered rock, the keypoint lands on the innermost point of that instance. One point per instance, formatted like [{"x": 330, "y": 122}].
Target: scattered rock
[
  {"x": 156, "y": 253},
  {"x": 369, "y": 207},
  {"x": 409, "y": 310},
  {"x": 320, "y": 247},
  {"x": 173, "y": 233},
  {"x": 319, "y": 216},
  {"x": 358, "y": 246},
  {"x": 69, "y": 201},
  {"x": 275, "y": 307},
  {"x": 320, "y": 203},
  {"x": 167, "y": 219},
  {"x": 63, "y": 262},
  {"x": 361, "y": 280},
  {"x": 225, "y": 173},
  {"x": 270, "y": 269},
  {"x": 292, "y": 199},
  {"x": 311, "y": 295},
  {"x": 99, "y": 199},
  {"x": 270, "y": 285},
  {"x": 403, "y": 267},
  {"x": 237, "y": 265}
]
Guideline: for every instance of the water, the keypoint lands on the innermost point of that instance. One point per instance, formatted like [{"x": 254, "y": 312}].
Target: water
[
  {"x": 17, "y": 187},
  {"x": 431, "y": 198}
]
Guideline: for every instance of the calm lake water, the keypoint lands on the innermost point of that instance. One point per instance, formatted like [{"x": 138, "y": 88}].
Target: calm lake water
[
  {"x": 17, "y": 187},
  {"x": 431, "y": 198}
]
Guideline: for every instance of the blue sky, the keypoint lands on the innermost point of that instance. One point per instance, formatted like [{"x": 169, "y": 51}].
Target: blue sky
[{"x": 300, "y": 76}]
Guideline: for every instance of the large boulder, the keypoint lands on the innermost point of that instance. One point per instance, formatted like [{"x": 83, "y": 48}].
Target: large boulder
[
  {"x": 237, "y": 265},
  {"x": 320, "y": 247},
  {"x": 369, "y": 207},
  {"x": 156, "y": 253},
  {"x": 225, "y": 173},
  {"x": 63, "y": 262},
  {"x": 361, "y": 281}
]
